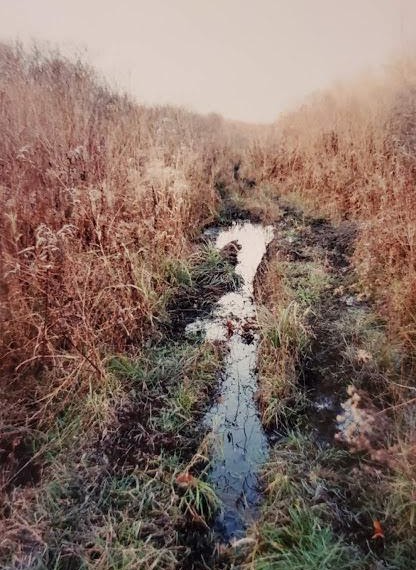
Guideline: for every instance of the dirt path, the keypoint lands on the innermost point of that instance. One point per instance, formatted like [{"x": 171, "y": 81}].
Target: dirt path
[{"x": 312, "y": 260}]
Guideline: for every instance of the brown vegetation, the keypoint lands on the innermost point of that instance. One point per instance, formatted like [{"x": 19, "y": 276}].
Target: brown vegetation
[
  {"x": 100, "y": 199},
  {"x": 350, "y": 153},
  {"x": 98, "y": 196}
]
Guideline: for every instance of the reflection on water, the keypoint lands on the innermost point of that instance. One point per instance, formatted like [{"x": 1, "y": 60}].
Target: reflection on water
[{"x": 240, "y": 445}]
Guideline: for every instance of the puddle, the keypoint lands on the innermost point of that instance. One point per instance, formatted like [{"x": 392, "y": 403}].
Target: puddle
[
  {"x": 324, "y": 403},
  {"x": 239, "y": 442}
]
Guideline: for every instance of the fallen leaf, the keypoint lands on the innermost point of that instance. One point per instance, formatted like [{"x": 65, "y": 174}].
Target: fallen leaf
[
  {"x": 378, "y": 531},
  {"x": 185, "y": 479}
]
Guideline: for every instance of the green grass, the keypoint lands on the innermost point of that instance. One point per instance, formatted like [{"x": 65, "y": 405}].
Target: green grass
[
  {"x": 290, "y": 292},
  {"x": 305, "y": 544},
  {"x": 109, "y": 497},
  {"x": 284, "y": 339},
  {"x": 196, "y": 285},
  {"x": 211, "y": 270},
  {"x": 286, "y": 328},
  {"x": 321, "y": 499},
  {"x": 307, "y": 280},
  {"x": 205, "y": 273},
  {"x": 303, "y": 494},
  {"x": 102, "y": 516},
  {"x": 199, "y": 499}
]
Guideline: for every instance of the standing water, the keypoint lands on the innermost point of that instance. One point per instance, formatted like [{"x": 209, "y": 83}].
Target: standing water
[{"x": 239, "y": 442}]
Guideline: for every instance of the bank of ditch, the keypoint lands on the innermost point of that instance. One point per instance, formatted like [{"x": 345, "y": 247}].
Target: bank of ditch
[
  {"x": 123, "y": 473},
  {"x": 340, "y": 478}
]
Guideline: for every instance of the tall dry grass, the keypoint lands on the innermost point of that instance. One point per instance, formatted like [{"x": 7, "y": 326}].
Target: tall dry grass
[
  {"x": 97, "y": 194},
  {"x": 351, "y": 153}
]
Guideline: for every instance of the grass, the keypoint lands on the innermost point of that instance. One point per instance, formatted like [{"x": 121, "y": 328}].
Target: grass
[
  {"x": 309, "y": 281},
  {"x": 287, "y": 328},
  {"x": 114, "y": 502},
  {"x": 243, "y": 198},
  {"x": 306, "y": 482},
  {"x": 102, "y": 200},
  {"x": 199, "y": 500},
  {"x": 296, "y": 529},
  {"x": 288, "y": 291},
  {"x": 213, "y": 270},
  {"x": 322, "y": 498},
  {"x": 283, "y": 339},
  {"x": 100, "y": 520},
  {"x": 197, "y": 284},
  {"x": 306, "y": 544},
  {"x": 101, "y": 205},
  {"x": 308, "y": 518},
  {"x": 348, "y": 152},
  {"x": 99, "y": 194}
]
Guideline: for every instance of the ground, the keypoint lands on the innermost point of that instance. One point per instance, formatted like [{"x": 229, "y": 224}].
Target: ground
[{"x": 129, "y": 490}]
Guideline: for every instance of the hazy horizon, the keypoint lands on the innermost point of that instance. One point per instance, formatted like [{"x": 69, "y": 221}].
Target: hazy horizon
[{"x": 246, "y": 60}]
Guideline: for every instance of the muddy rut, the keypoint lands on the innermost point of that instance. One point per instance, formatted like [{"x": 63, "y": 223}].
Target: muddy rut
[
  {"x": 239, "y": 444},
  {"x": 229, "y": 415},
  {"x": 323, "y": 371}
]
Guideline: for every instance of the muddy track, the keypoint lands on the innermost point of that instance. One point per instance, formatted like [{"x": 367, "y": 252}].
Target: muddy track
[{"x": 323, "y": 371}]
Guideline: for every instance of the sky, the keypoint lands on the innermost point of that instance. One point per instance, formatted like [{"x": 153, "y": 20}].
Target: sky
[{"x": 248, "y": 60}]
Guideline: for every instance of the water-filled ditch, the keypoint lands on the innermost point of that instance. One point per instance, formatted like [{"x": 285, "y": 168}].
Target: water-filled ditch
[{"x": 239, "y": 445}]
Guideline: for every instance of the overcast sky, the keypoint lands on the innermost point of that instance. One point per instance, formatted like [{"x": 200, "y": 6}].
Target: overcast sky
[{"x": 245, "y": 59}]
